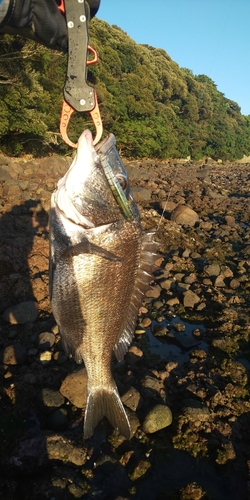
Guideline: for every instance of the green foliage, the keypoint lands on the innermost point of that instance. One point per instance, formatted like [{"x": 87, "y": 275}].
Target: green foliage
[{"x": 154, "y": 107}]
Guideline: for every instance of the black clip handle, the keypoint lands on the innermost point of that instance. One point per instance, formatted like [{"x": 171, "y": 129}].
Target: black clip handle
[{"x": 77, "y": 92}]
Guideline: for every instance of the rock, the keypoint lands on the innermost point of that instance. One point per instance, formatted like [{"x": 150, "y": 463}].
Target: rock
[
  {"x": 184, "y": 215},
  {"x": 136, "y": 173},
  {"x": 74, "y": 388},
  {"x": 196, "y": 411},
  {"x": 234, "y": 284},
  {"x": 4, "y": 160},
  {"x": 141, "y": 194},
  {"x": 140, "y": 470},
  {"x": 186, "y": 253},
  {"x": 190, "y": 299},
  {"x": 14, "y": 354},
  {"x": 45, "y": 357},
  {"x": 158, "y": 418},
  {"x": 20, "y": 314},
  {"x": 158, "y": 304},
  {"x": 4, "y": 174},
  {"x": 213, "y": 270},
  {"x": 230, "y": 220},
  {"x": 51, "y": 398},
  {"x": 45, "y": 341},
  {"x": 153, "y": 384},
  {"x": 153, "y": 292},
  {"x": 60, "y": 448},
  {"x": 146, "y": 322},
  {"x": 167, "y": 284},
  {"x": 131, "y": 398},
  {"x": 179, "y": 327},
  {"x": 219, "y": 281},
  {"x": 160, "y": 331},
  {"x": 173, "y": 302}
]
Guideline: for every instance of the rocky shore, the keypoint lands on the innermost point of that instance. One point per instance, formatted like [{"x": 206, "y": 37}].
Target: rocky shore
[{"x": 184, "y": 381}]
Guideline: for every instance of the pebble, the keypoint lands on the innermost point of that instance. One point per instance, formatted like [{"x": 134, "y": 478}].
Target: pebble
[
  {"x": 190, "y": 299},
  {"x": 182, "y": 287},
  {"x": 167, "y": 284},
  {"x": 14, "y": 354},
  {"x": 22, "y": 313},
  {"x": 146, "y": 322},
  {"x": 173, "y": 302},
  {"x": 45, "y": 357},
  {"x": 158, "y": 418},
  {"x": 153, "y": 292},
  {"x": 158, "y": 304},
  {"x": 234, "y": 284}
]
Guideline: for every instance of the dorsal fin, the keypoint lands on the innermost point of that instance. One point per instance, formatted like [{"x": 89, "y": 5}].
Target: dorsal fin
[{"x": 146, "y": 267}]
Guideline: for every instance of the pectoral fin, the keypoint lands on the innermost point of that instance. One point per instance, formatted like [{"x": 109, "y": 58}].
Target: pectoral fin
[{"x": 85, "y": 246}]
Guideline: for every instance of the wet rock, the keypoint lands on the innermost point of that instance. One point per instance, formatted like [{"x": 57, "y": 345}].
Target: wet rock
[
  {"x": 158, "y": 418},
  {"x": 190, "y": 299},
  {"x": 184, "y": 215},
  {"x": 160, "y": 331},
  {"x": 14, "y": 354},
  {"x": 179, "y": 326},
  {"x": 74, "y": 388},
  {"x": 25, "y": 312}
]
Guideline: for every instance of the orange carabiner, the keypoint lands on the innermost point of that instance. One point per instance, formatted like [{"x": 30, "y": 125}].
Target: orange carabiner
[{"x": 66, "y": 114}]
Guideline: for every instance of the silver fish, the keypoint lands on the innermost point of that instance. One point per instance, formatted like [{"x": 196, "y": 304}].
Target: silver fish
[{"x": 100, "y": 266}]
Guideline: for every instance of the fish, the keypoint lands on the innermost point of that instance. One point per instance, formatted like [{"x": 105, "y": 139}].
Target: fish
[{"x": 101, "y": 264}]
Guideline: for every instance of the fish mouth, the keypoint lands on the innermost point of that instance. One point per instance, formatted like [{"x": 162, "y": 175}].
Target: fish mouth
[{"x": 115, "y": 174}]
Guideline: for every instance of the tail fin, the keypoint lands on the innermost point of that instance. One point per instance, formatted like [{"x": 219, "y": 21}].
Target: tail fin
[{"x": 105, "y": 402}]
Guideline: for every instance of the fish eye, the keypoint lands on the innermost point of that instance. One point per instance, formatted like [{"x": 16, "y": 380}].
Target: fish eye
[{"x": 122, "y": 181}]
